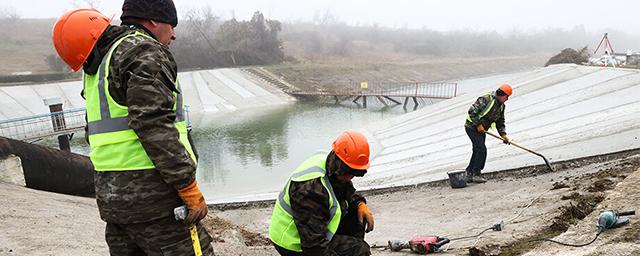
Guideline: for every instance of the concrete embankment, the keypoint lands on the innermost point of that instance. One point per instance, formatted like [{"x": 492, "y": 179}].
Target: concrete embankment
[
  {"x": 561, "y": 111},
  {"x": 205, "y": 91}
]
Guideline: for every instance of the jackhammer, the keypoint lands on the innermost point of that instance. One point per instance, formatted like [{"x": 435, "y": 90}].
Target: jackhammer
[{"x": 419, "y": 244}]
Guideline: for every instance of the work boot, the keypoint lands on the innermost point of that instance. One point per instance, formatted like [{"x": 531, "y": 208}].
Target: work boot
[
  {"x": 469, "y": 177},
  {"x": 478, "y": 178}
]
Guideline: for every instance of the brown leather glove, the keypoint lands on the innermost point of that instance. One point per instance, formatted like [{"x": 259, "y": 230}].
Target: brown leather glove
[
  {"x": 480, "y": 128},
  {"x": 364, "y": 213},
  {"x": 505, "y": 139},
  {"x": 194, "y": 200}
]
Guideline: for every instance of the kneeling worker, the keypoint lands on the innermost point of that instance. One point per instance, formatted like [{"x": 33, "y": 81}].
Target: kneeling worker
[{"x": 318, "y": 212}]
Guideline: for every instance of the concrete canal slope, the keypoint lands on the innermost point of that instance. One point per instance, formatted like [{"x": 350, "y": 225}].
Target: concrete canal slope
[
  {"x": 206, "y": 91},
  {"x": 562, "y": 111}
]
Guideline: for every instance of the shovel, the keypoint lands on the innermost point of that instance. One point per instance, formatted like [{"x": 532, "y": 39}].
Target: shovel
[{"x": 525, "y": 149}]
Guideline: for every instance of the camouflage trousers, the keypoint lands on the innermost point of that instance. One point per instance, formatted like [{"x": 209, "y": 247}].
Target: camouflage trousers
[{"x": 162, "y": 237}]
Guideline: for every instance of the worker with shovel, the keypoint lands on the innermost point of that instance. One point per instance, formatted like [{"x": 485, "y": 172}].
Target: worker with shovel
[
  {"x": 318, "y": 212},
  {"x": 486, "y": 112}
]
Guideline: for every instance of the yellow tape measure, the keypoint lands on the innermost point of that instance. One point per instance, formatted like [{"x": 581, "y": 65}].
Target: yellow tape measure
[{"x": 196, "y": 241}]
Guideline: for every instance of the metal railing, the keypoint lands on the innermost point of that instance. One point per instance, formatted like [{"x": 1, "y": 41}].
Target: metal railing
[
  {"x": 413, "y": 90},
  {"x": 51, "y": 124},
  {"x": 43, "y": 125}
]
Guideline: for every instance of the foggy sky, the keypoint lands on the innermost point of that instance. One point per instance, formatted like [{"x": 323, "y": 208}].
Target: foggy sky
[{"x": 443, "y": 15}]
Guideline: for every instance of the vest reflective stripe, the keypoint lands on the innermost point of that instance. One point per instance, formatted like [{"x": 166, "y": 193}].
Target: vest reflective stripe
[
  {"x": 486, "y": 110},
  {"x": 282, "y": 230},
  {"x": 114, "y": 146}
]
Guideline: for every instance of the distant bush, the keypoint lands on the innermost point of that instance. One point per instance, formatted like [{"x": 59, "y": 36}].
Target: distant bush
[
  {"x": 569, "y": 55},
  {"x": 207, "y": 42}
]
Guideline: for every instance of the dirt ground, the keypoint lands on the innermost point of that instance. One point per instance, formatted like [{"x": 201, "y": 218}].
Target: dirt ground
[{"x": 529, "y": 201}]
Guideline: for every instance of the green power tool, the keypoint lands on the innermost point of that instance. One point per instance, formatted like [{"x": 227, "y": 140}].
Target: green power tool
[
  {"x": 607, "y": 220},
  {"x": 612, "y": 219}
]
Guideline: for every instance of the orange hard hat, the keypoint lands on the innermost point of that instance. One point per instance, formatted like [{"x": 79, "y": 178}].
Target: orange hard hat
[
  {"x": 352, "y": 148},
  {"x": 76, "y": 33},
  {"x": 506, "y": 88}
]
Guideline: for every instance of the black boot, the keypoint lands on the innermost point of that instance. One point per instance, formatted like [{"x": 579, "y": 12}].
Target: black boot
[
  {"x": 469, "y": 176},
  {"x": 478, "y": 178}
]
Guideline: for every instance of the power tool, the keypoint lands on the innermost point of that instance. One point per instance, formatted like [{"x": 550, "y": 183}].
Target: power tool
[
  {"x": 612, "y": 219},
  {"x": 607, "y": 220},
  {"x": 419, "y": 244}
]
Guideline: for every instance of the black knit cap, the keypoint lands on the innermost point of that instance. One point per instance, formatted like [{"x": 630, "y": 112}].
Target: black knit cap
[{"x": 158, "y": 10}]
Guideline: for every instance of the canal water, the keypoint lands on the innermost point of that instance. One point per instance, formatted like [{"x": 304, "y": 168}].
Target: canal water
[{"x": 248, "y": 155}]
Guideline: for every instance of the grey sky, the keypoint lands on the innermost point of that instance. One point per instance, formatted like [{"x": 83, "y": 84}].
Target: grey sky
[{"x": 499, "y": 15}]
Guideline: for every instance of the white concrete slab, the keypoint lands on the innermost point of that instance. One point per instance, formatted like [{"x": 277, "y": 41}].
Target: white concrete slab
[
  {"x": 231, "y": 84},
  {"x": 10, "y": 106},
  {"x": 205, "y": 91},
  {"x": 71, "y": 91},
  {"x": 562, "y": 111},
  {"x": 236, "y": 75}
]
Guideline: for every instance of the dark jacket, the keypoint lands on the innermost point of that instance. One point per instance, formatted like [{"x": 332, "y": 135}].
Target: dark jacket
[
  {"x": 311, "y": 213},
  {"x": 141, "y": 76},
  {"x": 496, "y": 114}
]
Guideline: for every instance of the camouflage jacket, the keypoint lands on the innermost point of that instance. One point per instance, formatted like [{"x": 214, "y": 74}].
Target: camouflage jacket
[
  {"x": 311, "y": 212},
  {"x": 141, "y": 76},
  {"x": 496, "y": 114}
]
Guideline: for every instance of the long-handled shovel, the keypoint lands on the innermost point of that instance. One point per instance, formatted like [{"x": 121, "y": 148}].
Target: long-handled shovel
[{"x": 525, "y": 149}]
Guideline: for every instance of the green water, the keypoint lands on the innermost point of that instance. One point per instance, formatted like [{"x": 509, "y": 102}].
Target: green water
[{"x": 248, "y": 153}]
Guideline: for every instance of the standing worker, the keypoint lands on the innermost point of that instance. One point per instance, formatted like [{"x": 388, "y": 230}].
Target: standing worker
[
  {"x": 318, "y": 212},
  {"x": 145, "y": 165},
  {"x": 486, "y": 112}
]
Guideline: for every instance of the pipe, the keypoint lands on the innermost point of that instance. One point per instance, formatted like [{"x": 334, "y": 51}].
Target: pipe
[{"x": 50, "y": 169}]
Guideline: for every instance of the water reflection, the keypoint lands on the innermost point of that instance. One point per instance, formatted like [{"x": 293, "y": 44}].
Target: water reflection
[{"x": 253, "y": 151}]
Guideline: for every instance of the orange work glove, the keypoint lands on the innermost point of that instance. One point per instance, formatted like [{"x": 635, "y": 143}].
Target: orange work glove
[
  {"x": 505, "y": 139},
  {"x": 480, "y": 129},
  {"x": 194, "y": 200},
  {"x": 364, "y": 213}
]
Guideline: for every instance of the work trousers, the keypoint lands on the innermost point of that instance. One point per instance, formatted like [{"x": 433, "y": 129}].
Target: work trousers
[
  {"x": 160, "y": 237},
  {"x": 348, "y": 240},
  {"x": 479, "y": 155}
]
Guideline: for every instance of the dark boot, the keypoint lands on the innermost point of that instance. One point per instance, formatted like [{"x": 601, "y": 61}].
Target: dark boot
[
  {"x": 469, "y": 176},
  {"x": 477, "y": 178}
]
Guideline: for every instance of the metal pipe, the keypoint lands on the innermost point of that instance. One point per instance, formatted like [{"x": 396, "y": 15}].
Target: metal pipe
[{"x": 51, "y": 169}]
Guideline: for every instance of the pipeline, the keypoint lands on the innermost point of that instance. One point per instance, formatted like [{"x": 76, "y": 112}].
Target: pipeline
[{"x": 50, "y": 169}]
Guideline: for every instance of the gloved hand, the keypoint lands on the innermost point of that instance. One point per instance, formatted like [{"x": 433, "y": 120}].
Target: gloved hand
[
  {"x": 505, "y": 139},
  {"x": 480, "y": 128},
  {"x": 364, "y": 213},
  {"x": 194, "y": 200}
]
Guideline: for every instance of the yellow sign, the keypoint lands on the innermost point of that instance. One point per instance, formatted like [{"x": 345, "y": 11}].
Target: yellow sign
[{"x": 364, "y": 85}]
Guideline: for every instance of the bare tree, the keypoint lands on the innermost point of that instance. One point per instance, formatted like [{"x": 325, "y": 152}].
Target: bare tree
[{"x": 9, "y": 14}]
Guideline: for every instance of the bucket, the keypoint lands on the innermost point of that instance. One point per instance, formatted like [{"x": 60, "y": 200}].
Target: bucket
[{"x": 458, "y": 178}]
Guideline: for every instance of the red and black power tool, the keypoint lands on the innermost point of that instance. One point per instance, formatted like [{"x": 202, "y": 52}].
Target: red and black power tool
[{"x": 419, "y": 244}]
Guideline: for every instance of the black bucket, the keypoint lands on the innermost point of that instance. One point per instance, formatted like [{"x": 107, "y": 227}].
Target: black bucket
[{"x": 458, "y": 178}]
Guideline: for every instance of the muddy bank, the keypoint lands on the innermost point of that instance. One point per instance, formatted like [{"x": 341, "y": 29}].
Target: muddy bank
[{"x": 529, "y": 201}]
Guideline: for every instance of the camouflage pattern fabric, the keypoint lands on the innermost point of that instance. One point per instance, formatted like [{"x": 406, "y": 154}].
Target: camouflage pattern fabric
[
  {"x": 348, "y": 241},
  {"x": 311, "y": 213},
  {"x": 496, "y": 114},
  {"x": 163, "y": 237},
  {"x": 141, "y": 76},
  {"x": 138, "y": 205}
]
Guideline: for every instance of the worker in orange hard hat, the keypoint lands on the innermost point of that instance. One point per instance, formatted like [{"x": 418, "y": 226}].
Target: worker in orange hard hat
[
  {"x": 486, "y": 112},
  {"x": 318, "y": 212},
  {"x": 145, "y": 164}
]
